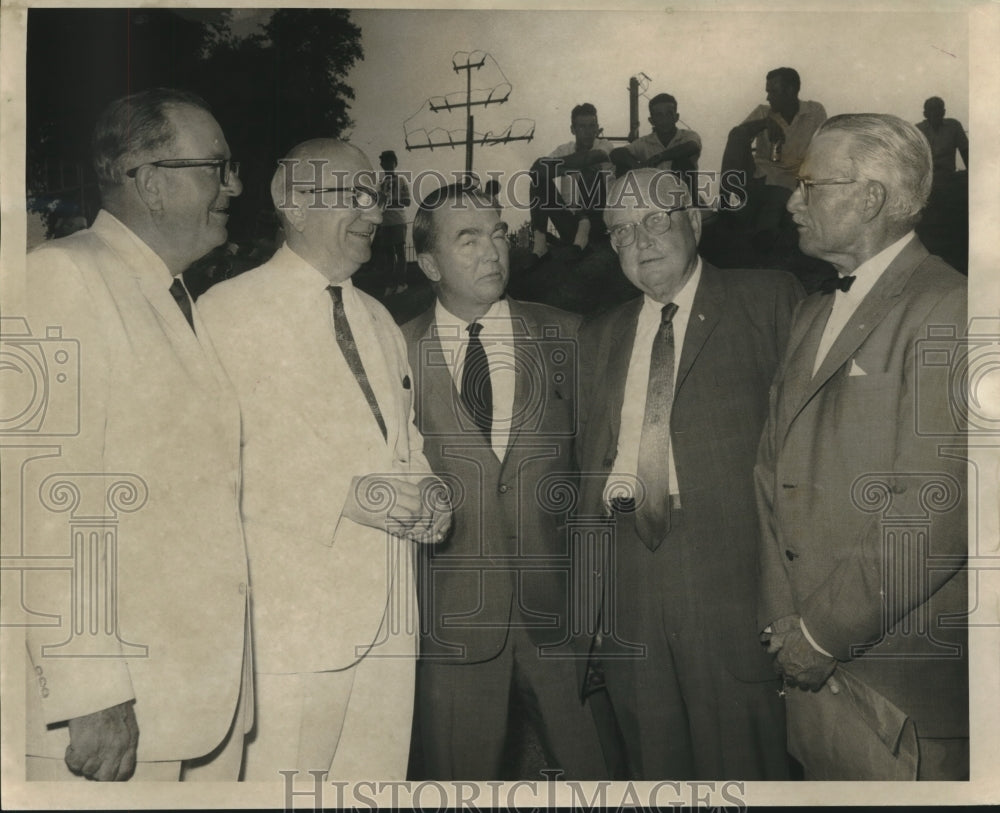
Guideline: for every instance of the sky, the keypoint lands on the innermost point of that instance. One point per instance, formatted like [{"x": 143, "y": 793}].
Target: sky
[{"x": 714, "y": 62}]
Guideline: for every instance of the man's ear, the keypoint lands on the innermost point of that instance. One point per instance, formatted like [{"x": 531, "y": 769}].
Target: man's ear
[
  {"x": 429, "y": 266},
  {"x": 295, "y": 216},
  {"x": 149, "y": 184},
  {"x": 875, "y": 198}
]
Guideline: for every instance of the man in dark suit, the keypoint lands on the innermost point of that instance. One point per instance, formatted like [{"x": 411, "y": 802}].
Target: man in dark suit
[
  {"x": 861, "y": 475},
  {"x": 495, "y": 400},
  {"x": 674, "y": 396}
]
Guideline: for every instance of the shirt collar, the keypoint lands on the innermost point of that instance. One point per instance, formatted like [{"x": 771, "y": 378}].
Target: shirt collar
[
  {"x": 493, "y": 321},
  {"x": 871, "y": 270},
  {"x": 142, "y": 260},
  {"x": 684, "y": 298},
  {"x": 311, "y": 277}
]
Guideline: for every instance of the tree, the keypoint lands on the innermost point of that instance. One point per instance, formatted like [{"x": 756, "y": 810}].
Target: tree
[{"x": 269, "y": 90}]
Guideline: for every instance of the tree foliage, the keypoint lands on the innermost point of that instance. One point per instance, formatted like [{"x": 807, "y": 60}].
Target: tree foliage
[{"x": 268, "y": 90}]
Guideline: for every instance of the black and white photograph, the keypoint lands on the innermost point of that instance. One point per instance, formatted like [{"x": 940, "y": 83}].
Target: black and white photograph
[{"x": 476, "y": 407}]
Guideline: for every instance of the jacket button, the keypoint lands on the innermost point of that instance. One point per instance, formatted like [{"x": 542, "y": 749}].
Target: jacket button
[
  {"x": 504, "y": 488},
  {"x": 45, "y": 692},
  {"x": 790, "y": 555},
  {"x": 243, "y": 588}
]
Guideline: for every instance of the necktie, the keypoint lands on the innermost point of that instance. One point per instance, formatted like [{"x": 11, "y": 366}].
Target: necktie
[
  {"x": 828, "y": 286},
  {"x": 477, "y": 389},
  {"x": 180, "y": 295},
  {"x": 652, "y": 518},
  {"x": 345, "y": 338}
]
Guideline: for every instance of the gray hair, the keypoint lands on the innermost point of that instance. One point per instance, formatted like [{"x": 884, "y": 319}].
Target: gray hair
[
  {"x": 887, "y": 149},
  {"x": 134, "y": 126}
]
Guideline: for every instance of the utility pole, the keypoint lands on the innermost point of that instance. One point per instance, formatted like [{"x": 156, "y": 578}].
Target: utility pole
[{"x": 497, "y": 95}]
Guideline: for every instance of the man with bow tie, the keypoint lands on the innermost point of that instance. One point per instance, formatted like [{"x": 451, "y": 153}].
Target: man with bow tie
[
  {"x": 335, "y": 484},
  {"x": 495, "y": 384},
  {"x": 862, "y": 434},
  {"x": 674, "y": 393}
]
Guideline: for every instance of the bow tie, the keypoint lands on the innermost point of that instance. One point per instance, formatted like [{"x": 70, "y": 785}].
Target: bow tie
[{"x": 828, "y": 286}]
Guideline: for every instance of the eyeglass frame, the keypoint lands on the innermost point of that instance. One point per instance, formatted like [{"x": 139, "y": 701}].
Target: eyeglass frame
[
  {"x": 642, "y": 222},
  {"x": 804, "y": 184},
  {"x": 228, "y": 168},
  {"x": 380, "y": 200}
]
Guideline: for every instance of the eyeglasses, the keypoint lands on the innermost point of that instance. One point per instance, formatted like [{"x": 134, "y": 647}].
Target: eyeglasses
[
  {"x": 806, "y": 183},
  {"x": 362, "y": 197},
  {"x": 658, "y": 222},
  {"x": 228, "y": 169}
]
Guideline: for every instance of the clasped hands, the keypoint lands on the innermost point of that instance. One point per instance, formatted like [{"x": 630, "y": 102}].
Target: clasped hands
[
  {"x": 418, "y": 509},
  {"x": 796, "y": 660}
]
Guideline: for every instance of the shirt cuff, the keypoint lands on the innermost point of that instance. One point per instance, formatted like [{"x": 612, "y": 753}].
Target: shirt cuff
[{"x": 809, "y": 638}]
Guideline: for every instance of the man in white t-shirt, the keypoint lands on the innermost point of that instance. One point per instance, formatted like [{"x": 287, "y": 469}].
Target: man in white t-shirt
[{"x": 568, "y": 186}]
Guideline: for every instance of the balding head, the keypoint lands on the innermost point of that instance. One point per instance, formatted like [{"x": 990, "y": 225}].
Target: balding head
[{"x": 326, "y": 195}]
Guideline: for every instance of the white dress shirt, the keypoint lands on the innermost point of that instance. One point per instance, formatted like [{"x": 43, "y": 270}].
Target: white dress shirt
[
  {"x": 845, "y": 303},
  {"x": 497, "y": 337},
  {"x": 626, "y": 465}
]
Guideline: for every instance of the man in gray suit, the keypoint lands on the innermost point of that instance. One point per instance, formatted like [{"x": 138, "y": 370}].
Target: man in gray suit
[
  {"x": 674, "y": 395},
  {"x": 860, "y": 435},
  {"x": 495, "y": 395}
]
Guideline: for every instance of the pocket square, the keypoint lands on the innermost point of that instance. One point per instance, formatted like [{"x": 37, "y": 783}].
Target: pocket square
[{"x": 855, "y": 369}]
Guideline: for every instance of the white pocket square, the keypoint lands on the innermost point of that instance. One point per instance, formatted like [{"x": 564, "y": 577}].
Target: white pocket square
[{"x": 855, "y": 369}]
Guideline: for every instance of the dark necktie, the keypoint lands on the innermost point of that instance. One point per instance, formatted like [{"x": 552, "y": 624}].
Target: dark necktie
[
  {"x": 838, "y": 283},
  {"x": 345, "y": 338},
  {"x": 180, "y": 295},
  {"x": 477, "y": 389},
  {"x": 652, "y": 517}
]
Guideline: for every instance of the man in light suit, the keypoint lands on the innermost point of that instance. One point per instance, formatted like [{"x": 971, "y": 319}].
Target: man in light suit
[
  {"x": 674, "y": 388},
  {"x": 336, "y": 487},
  {"x": 865, "y": 612},
  {"x": 495, "y": 382},
  {"x": 155, "y": 462}
]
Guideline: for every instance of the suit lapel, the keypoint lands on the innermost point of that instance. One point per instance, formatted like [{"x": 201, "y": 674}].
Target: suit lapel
[
  {"x": 616, "y": 371},
  {"x": 869, "y": 315},
  {"x": 525, "y": 329},
  {"x": 706, "y": 310}
]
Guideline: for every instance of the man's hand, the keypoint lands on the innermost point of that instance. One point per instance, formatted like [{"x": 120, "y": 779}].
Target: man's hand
[
  {"x": 419, "y": 510},
  {"x": 798, "y": 661},
  {"x": 102, "y": 745}
]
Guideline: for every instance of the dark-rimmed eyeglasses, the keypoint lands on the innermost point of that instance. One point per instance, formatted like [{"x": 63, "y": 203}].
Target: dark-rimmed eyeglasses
[
  {"x": 362, "y": 197},
  {"x": 228, "y": 169},
  {"x": 806, "y": 183},
  {"x": 655, "y": 223}
]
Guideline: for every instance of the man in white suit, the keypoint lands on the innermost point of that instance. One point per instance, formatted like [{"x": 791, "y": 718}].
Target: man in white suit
[
  {"x": 161, "y": 675},
  {"x": 336, "y": 486}
]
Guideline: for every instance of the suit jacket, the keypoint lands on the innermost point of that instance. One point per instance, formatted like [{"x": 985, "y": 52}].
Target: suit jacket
[
  {"x": 507, "y": 555},
  {"x": 321, "y": 582},
  {"x": 861, "y": 476},
  {"x": 734, "y": 340},
  {"x": 157, "y": 415}
]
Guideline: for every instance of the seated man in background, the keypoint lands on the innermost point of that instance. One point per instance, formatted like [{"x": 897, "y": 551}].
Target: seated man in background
[
  {"x": 667, "y": 147},
  {"x": 779, "y": 133},
  {"x": 568, "y": 185}
]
